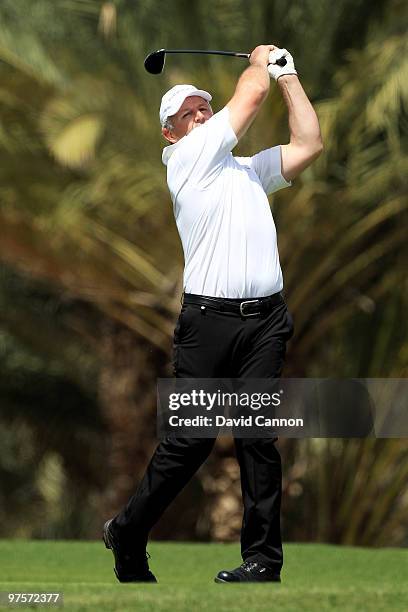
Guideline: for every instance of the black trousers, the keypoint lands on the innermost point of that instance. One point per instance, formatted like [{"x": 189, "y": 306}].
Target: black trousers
[{"x": 210, "y": 344}]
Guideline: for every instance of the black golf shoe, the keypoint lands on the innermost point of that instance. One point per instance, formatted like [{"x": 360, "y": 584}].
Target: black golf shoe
[
  {"x": 249, "y": 571},
  {"x": 130, "y": 566}
]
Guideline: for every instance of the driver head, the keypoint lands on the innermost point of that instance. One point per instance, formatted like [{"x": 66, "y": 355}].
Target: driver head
[{"x": 154, "y": 62}]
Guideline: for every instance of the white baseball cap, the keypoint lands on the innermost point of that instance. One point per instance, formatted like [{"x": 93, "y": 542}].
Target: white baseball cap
[{"x": 173, "y": 99}]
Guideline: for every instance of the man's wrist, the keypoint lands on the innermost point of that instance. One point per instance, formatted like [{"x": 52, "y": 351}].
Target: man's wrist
[
  {"x": 286, "y": 78},
  {"x": 260, "y": 65}
]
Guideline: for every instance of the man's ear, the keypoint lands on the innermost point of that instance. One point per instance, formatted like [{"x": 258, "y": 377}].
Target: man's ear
[{"x": 168, "y": 135}]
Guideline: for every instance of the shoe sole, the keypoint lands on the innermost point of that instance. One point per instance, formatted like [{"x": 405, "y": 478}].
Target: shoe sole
[
  {"x": 105, "y": 536},
  {"x": 220, "y": 580}
]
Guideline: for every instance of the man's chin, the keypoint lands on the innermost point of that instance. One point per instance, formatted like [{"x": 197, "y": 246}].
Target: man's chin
[{"x": 195, "y": 126}]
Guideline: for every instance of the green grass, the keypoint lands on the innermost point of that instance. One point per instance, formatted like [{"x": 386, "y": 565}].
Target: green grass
[{"x": 315, "y": 578}]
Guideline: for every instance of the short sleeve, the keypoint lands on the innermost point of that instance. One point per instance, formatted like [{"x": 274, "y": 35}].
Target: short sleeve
[
  {"x": 268, "y": 166},
  {"x": 202, "y": 152}
]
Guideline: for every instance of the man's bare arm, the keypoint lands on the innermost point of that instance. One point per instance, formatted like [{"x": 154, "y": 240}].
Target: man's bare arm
[
  {"x": 305, "y": 137},
  {"x": 251, "y": 90}
]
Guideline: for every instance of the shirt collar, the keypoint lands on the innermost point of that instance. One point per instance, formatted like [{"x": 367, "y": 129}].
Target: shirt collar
[{"x": 168, "y": 151}]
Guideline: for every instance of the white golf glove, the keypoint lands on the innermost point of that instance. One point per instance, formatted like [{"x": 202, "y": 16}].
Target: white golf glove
[{"x": 277, "y": 71}]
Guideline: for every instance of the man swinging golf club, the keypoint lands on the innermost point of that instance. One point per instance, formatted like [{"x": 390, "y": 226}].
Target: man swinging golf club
[{"x": 234, "y": 322}]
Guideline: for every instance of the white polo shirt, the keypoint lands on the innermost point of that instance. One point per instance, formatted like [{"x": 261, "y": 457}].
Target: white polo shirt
[{"x": 222, "y": 212}]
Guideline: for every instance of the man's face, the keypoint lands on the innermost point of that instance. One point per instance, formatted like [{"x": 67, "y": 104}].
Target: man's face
[{"x": 193, "y": 112}]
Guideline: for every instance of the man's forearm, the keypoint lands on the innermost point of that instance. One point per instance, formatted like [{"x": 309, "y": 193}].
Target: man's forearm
[
  {"x": 251, "y": 90},
  {"x": 255, "y": 76},
  {"x": 303, "y": 122}
]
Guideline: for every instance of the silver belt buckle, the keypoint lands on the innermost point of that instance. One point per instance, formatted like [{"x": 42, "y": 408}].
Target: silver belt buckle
[{"x": 249, "y": 314}]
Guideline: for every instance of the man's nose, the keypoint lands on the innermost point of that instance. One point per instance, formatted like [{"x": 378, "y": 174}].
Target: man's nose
[{"x": 199, "y": 117}]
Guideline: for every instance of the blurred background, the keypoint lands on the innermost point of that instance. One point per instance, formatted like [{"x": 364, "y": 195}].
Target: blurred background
[{"x": 91, "y": 262}]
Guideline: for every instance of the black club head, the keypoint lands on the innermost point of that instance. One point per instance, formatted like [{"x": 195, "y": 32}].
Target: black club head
[{"x": 154, "y": 62}]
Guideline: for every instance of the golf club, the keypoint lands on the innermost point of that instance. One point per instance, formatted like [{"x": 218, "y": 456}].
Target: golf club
[{"x": 154, "y": 62}]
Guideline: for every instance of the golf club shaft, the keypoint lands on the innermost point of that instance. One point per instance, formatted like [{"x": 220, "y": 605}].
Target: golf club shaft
[
  {"x": 208, "y": 52},
  {"x": 281, "y": 61}
]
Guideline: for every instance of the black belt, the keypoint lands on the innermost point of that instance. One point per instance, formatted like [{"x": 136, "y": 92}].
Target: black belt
[{"x": 245, "y": 307}]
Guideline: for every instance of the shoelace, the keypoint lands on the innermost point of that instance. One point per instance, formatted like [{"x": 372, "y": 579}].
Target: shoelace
[{"x": 131, "y": 557}]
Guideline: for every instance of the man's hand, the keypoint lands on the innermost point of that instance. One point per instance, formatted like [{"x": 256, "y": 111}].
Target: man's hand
[
  {"x": 274, "y": 69},
  {"x": 260, "y": 55}
]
